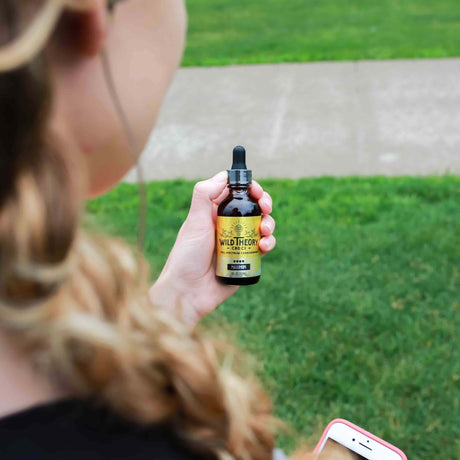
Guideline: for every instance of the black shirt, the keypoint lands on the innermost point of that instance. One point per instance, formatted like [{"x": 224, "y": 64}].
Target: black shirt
[{"x": 77, "y": 430}]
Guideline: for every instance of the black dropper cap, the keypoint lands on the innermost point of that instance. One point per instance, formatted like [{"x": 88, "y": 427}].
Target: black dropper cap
[{"x": 239, "y": 174}]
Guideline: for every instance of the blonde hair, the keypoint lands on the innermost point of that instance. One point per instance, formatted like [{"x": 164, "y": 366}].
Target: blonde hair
[{"x": 77, "y": 303}]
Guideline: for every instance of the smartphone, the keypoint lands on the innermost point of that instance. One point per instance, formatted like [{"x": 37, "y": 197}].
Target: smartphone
[{"x": 343, "y": 440}]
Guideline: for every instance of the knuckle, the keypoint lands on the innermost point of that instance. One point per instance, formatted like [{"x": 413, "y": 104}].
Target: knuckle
[
  {"x": 269, "y": 224},
  {"x": 200, "y": 188}
]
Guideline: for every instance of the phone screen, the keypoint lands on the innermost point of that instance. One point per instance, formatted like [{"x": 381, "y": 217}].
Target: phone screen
[{"x": 334, "y": 450}]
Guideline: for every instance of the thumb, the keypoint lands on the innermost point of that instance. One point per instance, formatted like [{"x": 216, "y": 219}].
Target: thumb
[{"x": 204, "y": 193}]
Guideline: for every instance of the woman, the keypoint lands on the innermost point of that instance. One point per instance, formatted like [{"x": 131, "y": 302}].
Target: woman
[
  {"x": 93, "y": 364},
  {"x": 89, "y": 368}
]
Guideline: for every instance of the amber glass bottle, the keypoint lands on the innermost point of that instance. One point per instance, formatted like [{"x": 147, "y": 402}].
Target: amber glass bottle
[{"x": 238, "y": 228}]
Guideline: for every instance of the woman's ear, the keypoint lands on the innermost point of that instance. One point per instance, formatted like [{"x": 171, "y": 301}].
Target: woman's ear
[{"x": 83, "y": 32}]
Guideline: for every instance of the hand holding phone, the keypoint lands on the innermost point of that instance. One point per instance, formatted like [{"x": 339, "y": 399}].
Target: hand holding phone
[{"x": 342, "y": 440}]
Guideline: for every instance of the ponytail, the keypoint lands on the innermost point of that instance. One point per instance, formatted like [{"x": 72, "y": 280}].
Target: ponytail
[{"x": 77, "y": 302}]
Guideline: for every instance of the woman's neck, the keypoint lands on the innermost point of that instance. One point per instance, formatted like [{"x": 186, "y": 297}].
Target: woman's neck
[{"x": 21, "y": 387}]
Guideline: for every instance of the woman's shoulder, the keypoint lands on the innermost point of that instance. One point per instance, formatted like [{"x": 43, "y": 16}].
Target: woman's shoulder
[{"x": 75, "y": 430}]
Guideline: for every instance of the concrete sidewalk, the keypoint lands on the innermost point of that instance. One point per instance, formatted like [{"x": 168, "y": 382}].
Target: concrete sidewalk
[{"x": 299, "y": 120}]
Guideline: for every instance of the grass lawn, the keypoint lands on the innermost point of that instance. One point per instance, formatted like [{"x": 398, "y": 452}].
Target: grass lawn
[
  {"x": 255, "y": 31},
  {"x": 357, "y": 311}
]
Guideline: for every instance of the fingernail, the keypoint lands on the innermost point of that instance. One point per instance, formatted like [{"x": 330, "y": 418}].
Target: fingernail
[
  {"x": 266, "y": 203},
  {"x": 221, "y": 176}
]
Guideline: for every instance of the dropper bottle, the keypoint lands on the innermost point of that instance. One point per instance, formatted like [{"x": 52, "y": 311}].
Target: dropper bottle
[{"x": 238, "y": 227}]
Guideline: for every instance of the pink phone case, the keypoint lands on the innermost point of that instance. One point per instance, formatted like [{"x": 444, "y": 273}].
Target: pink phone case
[{"x": 366, "y": 433}]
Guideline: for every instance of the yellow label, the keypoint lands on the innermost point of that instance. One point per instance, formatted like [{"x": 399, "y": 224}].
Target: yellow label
[{"x": 237, "y": 242}]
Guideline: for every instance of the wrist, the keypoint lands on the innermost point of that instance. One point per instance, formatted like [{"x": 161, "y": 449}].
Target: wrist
[
  {"x": 168, "y": 295},
  {"x": 164, "y": 295}
]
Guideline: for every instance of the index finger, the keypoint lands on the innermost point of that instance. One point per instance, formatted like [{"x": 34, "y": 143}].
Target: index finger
[{"x": 256, "y": 190}]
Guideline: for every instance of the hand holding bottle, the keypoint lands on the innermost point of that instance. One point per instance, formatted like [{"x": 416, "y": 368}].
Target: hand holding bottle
[{"x": 188, "y": 280}]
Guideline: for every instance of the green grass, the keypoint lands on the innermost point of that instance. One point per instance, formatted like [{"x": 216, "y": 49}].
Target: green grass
[
  {"x": 357, "y": 311},
  {"x": 259, "y": 31}
]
